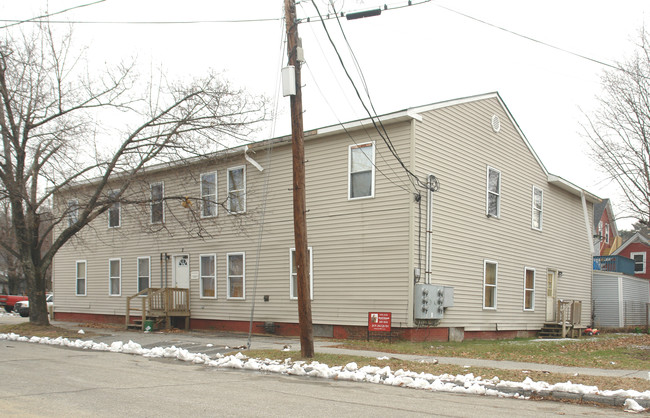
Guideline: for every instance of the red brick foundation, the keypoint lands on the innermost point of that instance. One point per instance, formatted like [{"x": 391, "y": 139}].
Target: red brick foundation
[{"x": 341, "y": 332}]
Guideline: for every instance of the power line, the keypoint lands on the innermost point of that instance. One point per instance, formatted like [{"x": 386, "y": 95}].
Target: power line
[
  {"x": 386, "y": 7},
  {"x": 36, "y": 19},
  {"x": 146, "y": 22},
  {"x": 376, "y": 121},
  {"x": 530, "y": 38}
]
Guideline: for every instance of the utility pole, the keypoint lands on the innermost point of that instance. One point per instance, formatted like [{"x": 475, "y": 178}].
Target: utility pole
[{"x": 299, "y": 206}]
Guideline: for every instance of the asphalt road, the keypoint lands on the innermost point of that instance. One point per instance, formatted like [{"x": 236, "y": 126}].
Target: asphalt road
[{"x": 55, "y": 382}]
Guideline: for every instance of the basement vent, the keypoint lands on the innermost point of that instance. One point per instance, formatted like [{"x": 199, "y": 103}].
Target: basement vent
[{"x": 496, "y": 124}]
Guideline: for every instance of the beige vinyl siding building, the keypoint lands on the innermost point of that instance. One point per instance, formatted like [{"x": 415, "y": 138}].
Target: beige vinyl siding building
[{"x": 365, "y": 250}]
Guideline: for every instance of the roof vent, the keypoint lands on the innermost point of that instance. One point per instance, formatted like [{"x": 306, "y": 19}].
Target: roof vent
[{"x": 496, "y": 124}]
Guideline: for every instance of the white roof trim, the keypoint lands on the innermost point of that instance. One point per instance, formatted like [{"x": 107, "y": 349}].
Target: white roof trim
[
  {"x": 637, "y": 237},
  {"x": 390, "y": 117},
  {"x": 571, "y": 188}
]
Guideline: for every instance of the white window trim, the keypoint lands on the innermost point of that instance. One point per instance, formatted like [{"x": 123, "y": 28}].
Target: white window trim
[
  {"x": 119, "y": 213},
  {"x": 162, "y": 202},
  {"x": 643, "y": 253},
  {"x": 76, "y": 281},
  {"x": 243, "y": 276},
  {"x": 372, "y": 162},
  {"x": 138, "y": 272},
  {"x": 119, "y": 277},
  {"x": 311, "y": 274},
  {"x": 73, "y": 211},
  {"x": 496, "y": 284},
  {"x": 527, "y": 269},
  {"x": 606, "y": 233},
  {"x": 243, "y": 168},
  {"x": 535, "y": 210},
  {"x": 214, "y": 260},
  {"x": 216, "y": 194},
  {"x": 487, "y": 193}
]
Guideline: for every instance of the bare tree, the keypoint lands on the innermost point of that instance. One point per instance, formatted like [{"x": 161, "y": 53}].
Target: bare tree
[
  {"x": 55, "y": 117},
  {"x": 619, "y": 131}
]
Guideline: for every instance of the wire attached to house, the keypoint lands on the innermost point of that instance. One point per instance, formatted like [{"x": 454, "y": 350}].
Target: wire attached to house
[{"x": 265, "y": 191}]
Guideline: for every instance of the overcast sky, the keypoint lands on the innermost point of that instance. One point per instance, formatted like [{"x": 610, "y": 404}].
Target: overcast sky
[{"x": 410, "y": 56}]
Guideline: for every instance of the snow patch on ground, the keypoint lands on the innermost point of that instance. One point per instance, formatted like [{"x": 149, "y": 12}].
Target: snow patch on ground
[{"x": 467, "y": 383}]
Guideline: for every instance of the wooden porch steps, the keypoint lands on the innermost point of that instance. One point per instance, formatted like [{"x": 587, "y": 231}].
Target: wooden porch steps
[
  {"x": 554, "y": 330},
  {"x": 159, "y": 305},
  {"x": 550, "y": 330}
]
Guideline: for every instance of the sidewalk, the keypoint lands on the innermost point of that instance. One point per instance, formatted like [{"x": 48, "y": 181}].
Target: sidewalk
[{"x": 211, "y": 343}]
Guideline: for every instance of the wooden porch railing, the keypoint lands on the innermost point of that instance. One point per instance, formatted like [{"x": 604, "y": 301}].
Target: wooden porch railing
[
  {"x": 570, "y": 316},
  {"x": 163, "y": 302}
]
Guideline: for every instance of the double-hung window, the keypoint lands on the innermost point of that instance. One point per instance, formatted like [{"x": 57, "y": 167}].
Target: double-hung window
[
  {"x": 361, "y": 168},
  {"x": 293, "y": 285},
  {"x": 144, "y": 273},
  {"x": 114, "y": 212},
  {"x": 208, "y": 195},
  {"x": 157, "y": 208},
  {"x": 236, "y": 276},
  {"x": 529, "y": 289},
  {"x": 490, "y": 271},
  {"x": 606, "y": 233},
  {"x": 538, "y": 206},
  {"x": 72, "y": 211},
  {"x": 208, "y": 276},
  {"x": 80, "y": 274},
  {"x": 114, "y": 276},
  {"x": 493, "y": 204},
  {"x": 639, "y": 262},
  {"x": 237, "y": 190}
]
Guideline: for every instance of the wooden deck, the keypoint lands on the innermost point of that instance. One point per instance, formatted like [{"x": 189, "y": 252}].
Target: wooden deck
[{"x": 158, "y": 305}]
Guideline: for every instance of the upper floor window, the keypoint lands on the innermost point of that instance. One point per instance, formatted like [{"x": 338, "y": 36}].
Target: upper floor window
[
  {"x": 294, "y": 274},
  {"x": 208, "y": 195},
  {"x": 493, "y": 204},
  {"x": 114, "y": 212},
  {"x": 114, "y": 276},
  {"x": 157, "y": 208},
  {"x": 80, "y": 281},
  {"x": 600, "y": 230},
  {"x": 606, "y": 233},
  {"x": 639, "y": 262},
  {"x": 72, "y": 211},
  {"x": 538, "y": 206},
  {"x": 489, "y": 284},
  {"x": 361, "y": 167},
  {"x": 237, "y": 190}
]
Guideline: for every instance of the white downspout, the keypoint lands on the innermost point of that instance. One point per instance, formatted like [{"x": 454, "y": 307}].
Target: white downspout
[
  {"x": 587, "y": 223},
  {"x": 429, "y": 231},
  {"x": 251, "y": 160}
]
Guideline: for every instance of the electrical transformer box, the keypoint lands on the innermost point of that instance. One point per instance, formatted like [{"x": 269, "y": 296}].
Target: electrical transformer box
[{"x": 431, "y": 300}]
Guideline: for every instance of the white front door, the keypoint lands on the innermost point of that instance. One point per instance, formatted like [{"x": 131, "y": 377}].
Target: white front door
[
  {"x": 551, "y": 290},
  {"x": 182, "y": 271}
]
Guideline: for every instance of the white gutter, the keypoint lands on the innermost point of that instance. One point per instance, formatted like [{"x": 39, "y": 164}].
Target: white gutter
[{"x": 251, "y": 160}]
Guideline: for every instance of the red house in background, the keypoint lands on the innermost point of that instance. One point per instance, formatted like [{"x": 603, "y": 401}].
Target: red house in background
[
  {"x": 607, "y": 238},
  {"x": 637, "y": 248}
]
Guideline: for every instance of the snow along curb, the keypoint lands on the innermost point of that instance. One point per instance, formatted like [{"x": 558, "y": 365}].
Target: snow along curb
[{"x": 468, "y": 384}]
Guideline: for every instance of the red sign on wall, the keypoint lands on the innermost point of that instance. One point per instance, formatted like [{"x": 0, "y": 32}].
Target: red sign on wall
[{"x": 379, "y": 321}]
